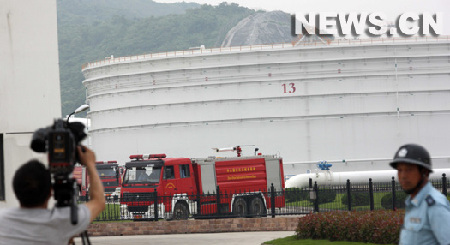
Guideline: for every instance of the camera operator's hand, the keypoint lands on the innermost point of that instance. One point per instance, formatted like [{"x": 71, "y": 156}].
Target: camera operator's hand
[
  {"x": 96, "y": 191},
  {"x": 86, "y": 155}
]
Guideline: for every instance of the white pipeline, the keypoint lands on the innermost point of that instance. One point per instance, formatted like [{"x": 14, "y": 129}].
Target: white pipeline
[{"x": 327, "y": 177}]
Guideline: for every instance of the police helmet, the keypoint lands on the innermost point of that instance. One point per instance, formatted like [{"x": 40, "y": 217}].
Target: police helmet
[{"x": 412, "y": 154}]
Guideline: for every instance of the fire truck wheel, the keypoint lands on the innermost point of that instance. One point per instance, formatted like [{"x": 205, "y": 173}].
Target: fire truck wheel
[
  {"x": 240, "y": 207},
  {"x": 257, "y": 207},
  {"x": 180, "y": 211}
]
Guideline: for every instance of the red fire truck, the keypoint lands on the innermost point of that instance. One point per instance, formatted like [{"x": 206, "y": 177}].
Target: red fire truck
[
  {"x": 243, "y": 185},
  {"x": 110, "y": 174}
]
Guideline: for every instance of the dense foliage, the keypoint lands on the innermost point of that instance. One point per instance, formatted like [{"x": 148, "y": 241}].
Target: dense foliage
[
  {"x": 400, "y": 196},
  {"x": 296, "y": 194},
  {"x": 358, "y": 199},
  {"x": 381, "y": 227},
  {"x": 325, "y": 196},
  {"x": 95, "y": 29},
  {"x": 90, "y": 11}
]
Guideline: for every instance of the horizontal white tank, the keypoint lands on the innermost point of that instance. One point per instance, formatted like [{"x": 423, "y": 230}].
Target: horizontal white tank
[
  {"x": 344, "y": 100},
  {"x": 327, "y": 177}
]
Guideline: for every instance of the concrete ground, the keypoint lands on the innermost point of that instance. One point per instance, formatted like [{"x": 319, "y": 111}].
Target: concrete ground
[{"x": 230, "y": 238}]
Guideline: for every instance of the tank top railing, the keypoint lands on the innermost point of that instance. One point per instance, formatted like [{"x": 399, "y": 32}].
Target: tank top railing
[{"x": 203, "y": 51}]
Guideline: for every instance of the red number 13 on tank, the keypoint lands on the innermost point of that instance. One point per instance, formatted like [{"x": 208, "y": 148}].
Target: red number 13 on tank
[{"x": 290, "y": 88}]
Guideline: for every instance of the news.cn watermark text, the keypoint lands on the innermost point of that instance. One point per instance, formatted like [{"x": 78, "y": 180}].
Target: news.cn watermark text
[{"x": 371, "y": 24}]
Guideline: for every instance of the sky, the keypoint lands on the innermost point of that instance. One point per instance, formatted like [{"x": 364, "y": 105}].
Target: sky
[{"x": 392, "y": 8}]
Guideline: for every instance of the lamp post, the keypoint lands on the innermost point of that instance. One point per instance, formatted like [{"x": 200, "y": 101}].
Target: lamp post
[{"x": 78, "y": 110}]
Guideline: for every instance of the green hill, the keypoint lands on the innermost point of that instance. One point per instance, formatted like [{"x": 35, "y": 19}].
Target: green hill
[
  {"x": 89, "y": 11},
  {"x": 90, "y": 30}
]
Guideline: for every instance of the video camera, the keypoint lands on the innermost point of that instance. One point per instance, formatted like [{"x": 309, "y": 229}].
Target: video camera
[{"x": 60, "y": 141}]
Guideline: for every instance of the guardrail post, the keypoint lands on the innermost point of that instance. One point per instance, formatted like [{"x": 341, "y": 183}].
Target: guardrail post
[
  {"x": 155, "y": 204},
  {"x": 393, "y": 194},
  {"x": 372, "y": 206},
  {"x": 272, "y": 200},
  {"x": 444, "y": 184},
  {"x": 218, "y": 200},
  {"x": 316, "y": 201},
  {"x": 349, "y": 196}
]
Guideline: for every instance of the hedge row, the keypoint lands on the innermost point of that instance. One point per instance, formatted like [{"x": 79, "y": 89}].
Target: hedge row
[
  {"x": 358, "y": 198},
  {"x": 363, "y": 199},
  {"x": 380, "y": 227},
  {"x": 400, "y": 196},
  {"x": 296, "y": 194}
]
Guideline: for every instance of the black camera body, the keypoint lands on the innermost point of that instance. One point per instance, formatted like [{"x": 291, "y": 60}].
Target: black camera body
[
  {"x": 60, "y": 141},
  {"x": 61, "y": 150}
]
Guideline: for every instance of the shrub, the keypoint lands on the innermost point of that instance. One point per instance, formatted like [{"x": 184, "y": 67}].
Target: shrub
[
  {"x": 358, "y": 199},
  {"x": 296, "y": 194},
  {"x": 325, "y": 196},
  {"x": 364, "y": 226},
  {"x": 400, "y": 196}
]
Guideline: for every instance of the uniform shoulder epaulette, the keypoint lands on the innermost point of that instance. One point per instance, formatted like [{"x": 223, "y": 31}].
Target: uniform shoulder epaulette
[{"x": 430, "y": 200}]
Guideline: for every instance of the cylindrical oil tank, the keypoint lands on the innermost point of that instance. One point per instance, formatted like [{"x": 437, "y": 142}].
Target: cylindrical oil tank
[{"x": 348, "y": 100}]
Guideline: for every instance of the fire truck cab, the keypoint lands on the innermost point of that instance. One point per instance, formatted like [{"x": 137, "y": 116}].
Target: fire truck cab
[{"x": 110, "y": 174}]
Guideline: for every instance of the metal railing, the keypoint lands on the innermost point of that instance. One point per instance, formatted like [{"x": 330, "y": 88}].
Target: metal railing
[
  {"x": 336, "y": 42},
  {"x": 266, "y": 203},
  {"x": 354, "y": 196}
]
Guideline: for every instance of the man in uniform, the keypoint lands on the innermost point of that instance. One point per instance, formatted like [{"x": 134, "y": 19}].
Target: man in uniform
[{"x": 427, "y": 214}]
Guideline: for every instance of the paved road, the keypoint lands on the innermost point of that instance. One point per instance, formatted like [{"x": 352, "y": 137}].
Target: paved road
[{"x": 231, "y": 238}]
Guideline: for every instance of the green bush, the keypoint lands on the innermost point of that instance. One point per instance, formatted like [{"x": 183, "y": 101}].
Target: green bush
[
  {"x": 296, "y": 194},
  {"x": 380, "y": 226},
  {"x": 325, "y": 196},
  {"x": 358, "y": 199},
  {"x": 400, "y": 196}
]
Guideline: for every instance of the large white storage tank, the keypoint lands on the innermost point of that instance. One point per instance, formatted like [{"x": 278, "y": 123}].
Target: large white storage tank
[
  {"x": 356, "y": 100},
  {"x": 29, "y": 83}
]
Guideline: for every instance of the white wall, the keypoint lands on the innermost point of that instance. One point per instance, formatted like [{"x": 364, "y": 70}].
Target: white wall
[{"x": 29, "y": 79}]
